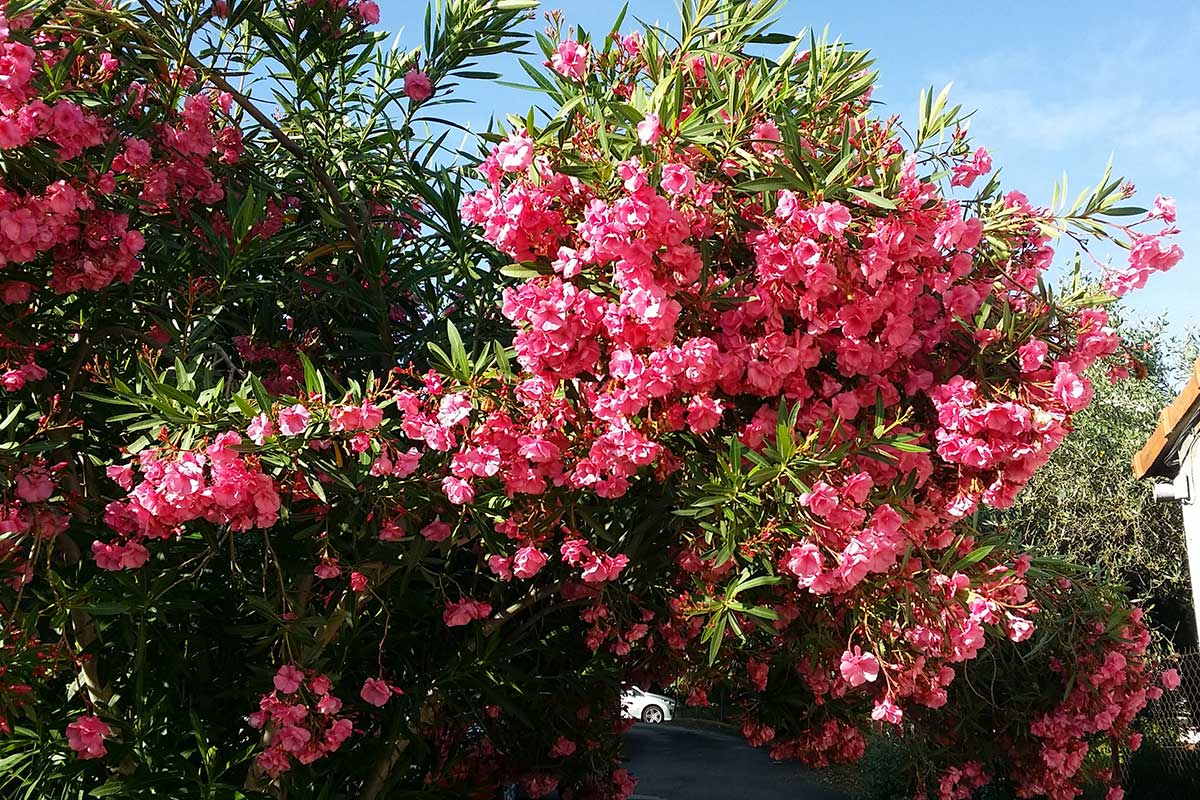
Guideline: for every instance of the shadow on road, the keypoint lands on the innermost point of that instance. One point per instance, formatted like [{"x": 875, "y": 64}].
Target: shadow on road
[{"x": 676, "y": 763}]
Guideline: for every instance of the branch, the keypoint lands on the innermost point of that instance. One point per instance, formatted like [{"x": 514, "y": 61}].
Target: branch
[
  {"x": 383, "y": 768},
  {"x": 516, "y": 608}
]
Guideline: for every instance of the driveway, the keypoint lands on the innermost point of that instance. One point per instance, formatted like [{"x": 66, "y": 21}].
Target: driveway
[{"x": 677, "y": 763}]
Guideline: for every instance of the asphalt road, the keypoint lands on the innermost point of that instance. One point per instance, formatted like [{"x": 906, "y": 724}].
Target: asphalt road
[{"x": 676, "y": 763}]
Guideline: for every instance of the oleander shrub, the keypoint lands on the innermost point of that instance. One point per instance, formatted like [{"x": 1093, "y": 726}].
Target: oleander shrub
[{"x": 331, "y": 473}]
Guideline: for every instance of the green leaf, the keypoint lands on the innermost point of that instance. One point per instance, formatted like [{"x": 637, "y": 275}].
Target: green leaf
[
  {"x": 502, "y": 360},
  {"x": 314, "y": 382},
  {"x": 260, "y": 392},
  {"x": 754, "y": 583},
  {"x": 458, "y": 351},
  {"x": 244, "y": 406},
  {"x": 872, "y": 198},
  {"x": 716, "y": 637},
  {"x": 1124, "y": 211},
  {"x": 183, "y": 379},
  {"x": 317, "y": 489},
  {"x": 521, "y": 271},
  {"x": 12, "y": 415},
  {"x": 974, "y": 557},
  {"x": 106, "y": 609},
  {"x": 187, "y": 401}
]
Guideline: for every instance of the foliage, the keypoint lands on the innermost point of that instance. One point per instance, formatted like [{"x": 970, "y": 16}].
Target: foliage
[{"x": 267, "y": 531}]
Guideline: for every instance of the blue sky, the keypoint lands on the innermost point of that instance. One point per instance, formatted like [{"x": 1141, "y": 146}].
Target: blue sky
[{"x": 1057, "y": 85}]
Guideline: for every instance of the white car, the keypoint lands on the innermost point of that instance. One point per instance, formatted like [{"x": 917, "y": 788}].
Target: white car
[{"x": 646, "y": 706}]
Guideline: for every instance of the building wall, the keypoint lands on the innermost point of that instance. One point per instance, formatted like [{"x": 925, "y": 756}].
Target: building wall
[{"x": 1189, "y": 471}]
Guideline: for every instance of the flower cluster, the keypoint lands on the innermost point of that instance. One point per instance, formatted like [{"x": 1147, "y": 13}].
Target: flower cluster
[
  {"x": 217, "y": 484},
  {"x": 25, "y": 663},
  {"x": 88, "y": 245},
  {"x": 354, "y": 12},
  {"x": 302, "y": 720},
  {"x": 84, "y": 230},
  {"x": 278, "y": 366},
  {"x": 29, "y": 513},
  {"x": 1111, "y": 686}
]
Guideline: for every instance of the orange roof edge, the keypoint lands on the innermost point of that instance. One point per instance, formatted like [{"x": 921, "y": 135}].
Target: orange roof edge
[{"x": 1168, "y": 432}]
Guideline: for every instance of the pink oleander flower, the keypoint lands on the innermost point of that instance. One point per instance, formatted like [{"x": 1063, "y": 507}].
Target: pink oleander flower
[
  {"x": 406, "y": 463},
  {"x": 528, "y": 562},
  {"x": 327, "y": 569},
  {"x": 15, "y": 292},
  {"x": 543, "y": 786},
  {"x": 464, "y": 612},
  {"x": 328, "y": 704},
  {"x": 858, "y": 667},
  {"x": 274, "y": 761},
  {"x": 13, "y": 380},
  {"x": 390, "y": 531},
  {"x": 1032, "y": 355},
  {"x": 704, "y": 414},
  {"x": 1019, "y": 629},
  {"x": 288, "y": 679},
  {"x": 122, "y": 474},
  {"x": 602, "y": 567},
  {"x": 1072, "y": 390},
  {"x": 116, "y": 557},
  {"x": 759, "y": 672},
  {"x": 575, "y": 551},
  {"x": 35, "y": 486},
  {"x": 417, "y": 86},
  {"x": 678, "y": 179},
  {"x": 86, "y": 737},
  {"x": 570, "y": 59},
  {"x": 822, "y": 500},
  {"x": 805, "y": 562},
  {"x": 831, "y": 219},
  {"x": 436, "y": 531},
  {"x": 292, "y": 738},
  {"x": 765, "y": 135},
  {"x": 562, "y": 748},
  {"x": 515, "y": 153},
  {"x": 457, "y": 490},
  {"x": 367, "y": 12},
  {"x": 980, "y": 163},
  {"x": 260, "y": 429},
  {"x": 376, "y": 692},
  {"x": 1170, "y": 679},
  {"x": 501, "y": 566},
  {"x": 293, "y": 421},
  {"x": 887, "y": 711},
  {"x": 343, "y": 418},
  {"x": 1164, "y": 208},
  {"x": 649, "y": 129}
]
